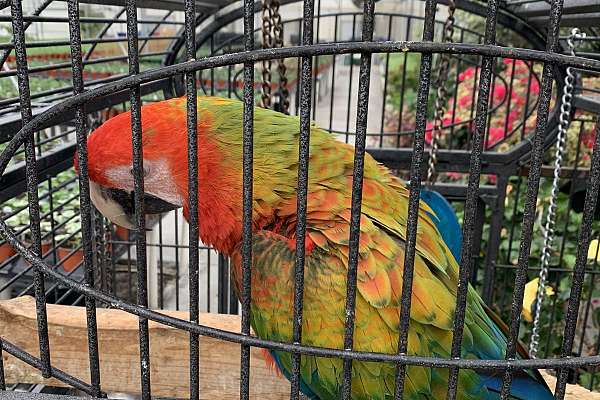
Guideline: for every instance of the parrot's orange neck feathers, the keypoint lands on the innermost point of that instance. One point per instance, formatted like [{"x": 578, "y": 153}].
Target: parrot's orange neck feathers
[{"x": 219, "y": 195}]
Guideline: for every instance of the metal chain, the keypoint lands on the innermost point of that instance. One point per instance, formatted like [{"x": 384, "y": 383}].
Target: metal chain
[
  {"x": 563, "y": 126},
  {"x": 272, "y": 36},
  {"x": 108, "y": 265},
  {"x": 267, "y": 39},
  {"x": 441, "y": 94},
  {"x": 99, "y": 250},
  {"x": 284, "y": 94}
]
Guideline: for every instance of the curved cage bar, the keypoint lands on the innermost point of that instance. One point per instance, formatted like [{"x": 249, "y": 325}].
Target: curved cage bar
[
  {"x": 391, "y": 26},
  {"x": 229, "y": 81},
  {"x": 368, "y": 77}
]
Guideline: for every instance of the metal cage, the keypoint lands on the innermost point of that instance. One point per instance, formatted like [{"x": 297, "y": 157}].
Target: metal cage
[{"x": 41, "y": 129}]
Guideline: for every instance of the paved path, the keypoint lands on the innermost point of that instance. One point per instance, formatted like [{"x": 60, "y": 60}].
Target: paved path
[{"x": 346, "y": 87}]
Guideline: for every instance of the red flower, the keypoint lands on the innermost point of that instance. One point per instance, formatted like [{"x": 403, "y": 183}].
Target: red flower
[
  {"x": 464, "y": 101},
  {"x": 588, "y": 139},
  {"x": 535, "y": 86},
  {"x": 468, "y": 73},
  {"x": 521, "y": 68},
  {"x": 517, "y": 100},
  {"x": 499, "y": 92},
  {"x": 428, "y": 133},
  {"x": 512, "y": 117},
  {"x": 496, "y": 134}
]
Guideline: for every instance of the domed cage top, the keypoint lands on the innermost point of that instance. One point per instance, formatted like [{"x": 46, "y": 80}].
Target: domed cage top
[{"x": 481, "y": 131}]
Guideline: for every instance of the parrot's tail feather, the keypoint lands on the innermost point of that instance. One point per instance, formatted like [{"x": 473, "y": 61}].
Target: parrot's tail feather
[
  {"x": 270, "y": 361},
  {"x": 523, "y": 387},
  {"x": 274, "y": 361}
]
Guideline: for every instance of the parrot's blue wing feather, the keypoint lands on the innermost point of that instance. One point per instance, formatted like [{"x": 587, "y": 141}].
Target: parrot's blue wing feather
[
  {"x": 446, "y": 220},
  {"x": 526, "y": 384},
  {"x": 523, "y": 387}
]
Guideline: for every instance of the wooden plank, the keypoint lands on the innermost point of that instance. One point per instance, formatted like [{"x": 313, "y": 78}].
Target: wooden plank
[
  {"x": 119, "y": 353},
  {"x": 169, "y": 348},
  {"x": 573, "y": 392}
]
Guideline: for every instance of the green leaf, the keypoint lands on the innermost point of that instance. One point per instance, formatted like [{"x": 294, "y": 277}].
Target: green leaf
[{"x": 569, "y": 260}]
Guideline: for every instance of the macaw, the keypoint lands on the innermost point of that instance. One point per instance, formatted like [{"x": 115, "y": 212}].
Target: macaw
[{"x": 382, "y": 245}]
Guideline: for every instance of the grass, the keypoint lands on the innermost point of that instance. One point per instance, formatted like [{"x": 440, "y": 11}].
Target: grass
[{"x": 33, "y": 51}]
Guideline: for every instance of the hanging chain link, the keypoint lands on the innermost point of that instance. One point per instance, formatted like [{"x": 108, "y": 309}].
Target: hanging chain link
[
  {"x": 99, "y": 250},
  {"x": 441, "y": 94},
  {"x": 563, "y": 126},
  {"x": 284, "y": 95},
  {"x": 267, "y": 39},
  {"x": 108, "y": 265},
  {"x": 272, "y": 36},
  {"x": 101, "y": 225}
]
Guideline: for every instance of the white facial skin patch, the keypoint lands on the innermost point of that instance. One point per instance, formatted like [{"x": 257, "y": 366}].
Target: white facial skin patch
[{"x": 158, "y": 180}]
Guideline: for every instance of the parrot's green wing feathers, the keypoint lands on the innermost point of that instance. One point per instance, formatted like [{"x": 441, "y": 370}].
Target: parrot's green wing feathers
[
  {"x": 379, "y": 288},
  {"x": 323, "y": 323},
  {"x": 380, "y": 268}
]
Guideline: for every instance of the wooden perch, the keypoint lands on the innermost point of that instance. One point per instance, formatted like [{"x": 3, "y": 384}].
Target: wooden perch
[
  {"x": 573, "y": 392},
  {"x": 119, "y": 353},
  {"x": 169, "y": 351}
]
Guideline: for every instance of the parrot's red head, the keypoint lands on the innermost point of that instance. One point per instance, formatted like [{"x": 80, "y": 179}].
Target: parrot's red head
[{"x": 164, "y": 138}]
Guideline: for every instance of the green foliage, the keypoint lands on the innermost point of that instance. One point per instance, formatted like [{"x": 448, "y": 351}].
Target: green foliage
[
  {"x": 504, "y": 35},
  {"x": 563, "y": 255},
  {"x": 411, "y": 79},
  {"x": 63, "y": 49},
  {"x": 64, "y": 221},
  {"x": 403, "y": 81}
]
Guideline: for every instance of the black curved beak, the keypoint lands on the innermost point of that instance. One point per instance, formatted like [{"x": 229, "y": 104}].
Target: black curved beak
[
  {"x": 119, "y": 205},
  {"x": 156, "y": 205},
  {"x": 152, "y": 204}
]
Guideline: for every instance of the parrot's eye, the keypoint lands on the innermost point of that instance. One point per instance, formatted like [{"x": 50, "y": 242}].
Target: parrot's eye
[{"x": 131, "y": 171}]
